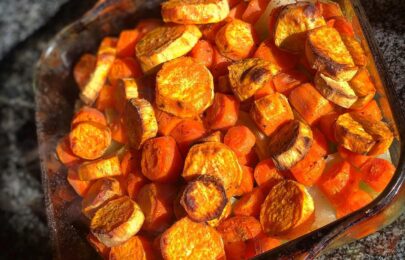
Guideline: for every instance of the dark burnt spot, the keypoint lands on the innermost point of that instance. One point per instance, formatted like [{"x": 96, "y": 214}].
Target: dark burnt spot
[
  {"x": 310, "y": 10},
  {"x": 179, "y": 104},
  {"x": 257, "y": 74}
]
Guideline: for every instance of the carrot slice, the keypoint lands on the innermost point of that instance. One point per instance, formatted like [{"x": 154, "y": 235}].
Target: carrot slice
[
  {"x": 161, "y": 159},
  {"x": 203, "y": 53},
  {"x": 238, "y": 10},
  {"x": 377, "y": 173},
  {"x": 280, "y": 60},
  {"x": 136, "y": 247},
  {"x": 86, "y": 114},
  {"x": 65, "y": 154},
  {"x": 89, "y": 140},
  {"x": 363, "y": 86},
  {"x": 285, "y": 82},
  {"x": 240, "y": 47},
  {"x": 186, "y": 132},
  {"x": 97, "y": 169},
  {"x": 188, "y": 95},
  {"x": 187, "y": 239},
  {"x": 267, "y": 176},
  {"x": 156, "y": 202},
  {"x": 250, "y": 203},
  {"x": 309, "y": 103},
  {"x": 105, "y": 98},
  {"x": 270, "y": 112},
  {"x": 329, "y": 9},
  {"x": 247, "y": 181},
  {"x": 327, "y": 125},
  {"x": 309, "y": 170},
  {"x": 240, "y": 139},
  {"x": 166, "y": 122},
  {"x": 220, "y": 63},
  {"x": 254, "y": 10},
  {"x": 342, "y": 26},
  {"x": 371, "y": 111},
  {"x": 355, "y": 159},
  {"x": 267, "y": 89},
  {"x": 124, "y": 68},
  {"x": 239, "y": 228},
  {"x": 354, "y": 201},
  {"x": 83, "y": 69},
  {"x": 126, "y": 43},
  {"x": 260, "y": 244},
  {"x": 81, "y": 187}
]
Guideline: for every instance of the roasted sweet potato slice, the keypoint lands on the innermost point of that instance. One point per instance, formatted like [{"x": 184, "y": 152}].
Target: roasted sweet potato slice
[
  {"x": 136, "y": 247},
  {"x": 65, "y": 154},
  {"x": 223, "y": 113},
  {"x": 292, "y": 24},
  {"x": 104, "y": 167},
  {"x": 165, "y": 43},
  {"x": 239, "y": 228},
  {"x": 140, "y": 122},
  {"x": 270, "y": 112},
  {"x": 156, "y": 202},
  {"x": 99, "y": 193},
  {"x": 226, "y": 212},
  {"x": 249, "y": 75},
  {"x": 89, "y": 140},
  {"x": 363, "y": 86},
  {"x": 161, "y": 159},
  {"x": 117, "y": 221},
  {"x": 351, "y": 134},
  {"x": 287, "y": 206},
  {"x": 195, "y": 12},
  {"x": 215, "y": 159},
  {"x": 285, "y": 82},
  {"x": 190, "y": 240},
  {"x": 105, "y": 60},
  {"x": 216, "y": 136},
  {"x": 290, "y": 144},
  {"x": 354, "y": 47},
  {"x": 88, "y": 114},
  {"x": 236, "y": 39},
  {"x": 184, "y": 88},
  {"x": 338, "y": 92},
  {"x": 309, "y": 103},
  {"x": 327, "y": 53},
  {"x": 204, "y": 198},
  {"x": 83, "y": 69},
  {"x": 81, "y": 187}
]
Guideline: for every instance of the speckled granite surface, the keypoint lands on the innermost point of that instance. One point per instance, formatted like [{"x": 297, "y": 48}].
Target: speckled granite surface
[{"x": 25, "y": 27}]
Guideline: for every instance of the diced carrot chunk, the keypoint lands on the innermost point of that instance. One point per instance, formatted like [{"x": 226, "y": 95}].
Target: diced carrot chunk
[
  {"x": 371, "y": 111},
  {"x": 267, "y": 89},
  {"x": 309, "y": 103},
  {"x": 223, "y": 113},
  {"x": 118, "y": 131},
  {"x": 355, "y": 159},
  {"x": 126, "y": 43},
  {"x": 247, "y": 181},
  {"x": 105, "y": 98},
  {"x": 240, "y": 139},
  {"x": 250, "y": 159},
  {"x": 65, "y": 154},
  {"x": 266, "y": 175},
  {"x": 327, "y": 125},
  {"x": 187, "y": 132},
  {"x": 250, "y": 203},
  {"x": 203, "y": 53},
  {"x": 329, "y": 9},
  {"x": 219, "y": 64},
  {"x": 124, "y": 68},
  {"x": 352, "y": 202},
  {"x": 284, "y": 82},
  {"x": 166, "y": 122},
  {"x": 377, "y": 173},
  {"x": 81, "y": 187},
  {"x": 260, "y": 244},
  {"x": 254, "y": 10}
]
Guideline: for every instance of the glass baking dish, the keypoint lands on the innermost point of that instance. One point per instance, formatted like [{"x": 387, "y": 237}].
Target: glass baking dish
[{"x": 56, "y": 93}]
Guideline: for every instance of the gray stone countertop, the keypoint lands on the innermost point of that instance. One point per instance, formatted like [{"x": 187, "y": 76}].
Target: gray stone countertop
[{"x": 25, "y": 28}]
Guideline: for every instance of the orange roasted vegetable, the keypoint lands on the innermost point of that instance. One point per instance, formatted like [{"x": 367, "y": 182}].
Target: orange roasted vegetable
[
  {"x": 88, "y": 114},
  {"x": 203, "y": 53},
  {"x": 65, "y": 154},
  {"x": 186, "y": 133},
  {"x": 83, "y": 69},
  {"x": 136, "y": 247},
  {"x": 81, "y": 187},
  {"x": 239, "y": 228},
  {"x": 240, "y": 139},
  {"x": 249, "y": 204},
  {"x": 247, "y": 181},
  {"x": 285, "y": 82},
  {"x": 377, "y": 173},
  {"x": 267, "y": 176},
  {"x": 223, "y": 113},
  {"x": 105, "y": 167}
]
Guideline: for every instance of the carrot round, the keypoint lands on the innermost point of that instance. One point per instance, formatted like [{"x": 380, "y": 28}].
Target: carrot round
[
  {"x": 83, "y": 69},
  {"x": 126, "y": 43},
  {"x": 326, "y": 124},
  {"x": 254, "y": 10},
  {"x": 377, "y": 173},
  {"x": 239, "y": 228},
  {"x": 280, "y": 60},
  {"x": 86, "y": 114},
  {"x": 250, "y": 203},
  {"x": 81, "y": 187},
  {"x": 355, "y": 159},
  {"x": 124, "y": 68},
  {"x": 286, "y": 81},
  {"x": 240, "y": 139},
  {"x": 354, "y": 201},
  {"x": 161, "y": 159},
  {"x": 166, "y": 122},
  {"x": 223, "y": 113},
  {"x": 370, "y": 111},
  {"x": 65, "y": 154},
  {"x": 266, "y": 175},
  {"x": 220, "y": 63},
  {"x": 186, "y": 132},
  {"x": 156, "y": 202},
  {"x": 89, "y": 140},
  {"x": 203, "y": 53},
  {"x": 247, "y": 181},
  {"x": 240, "y": 47}
]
